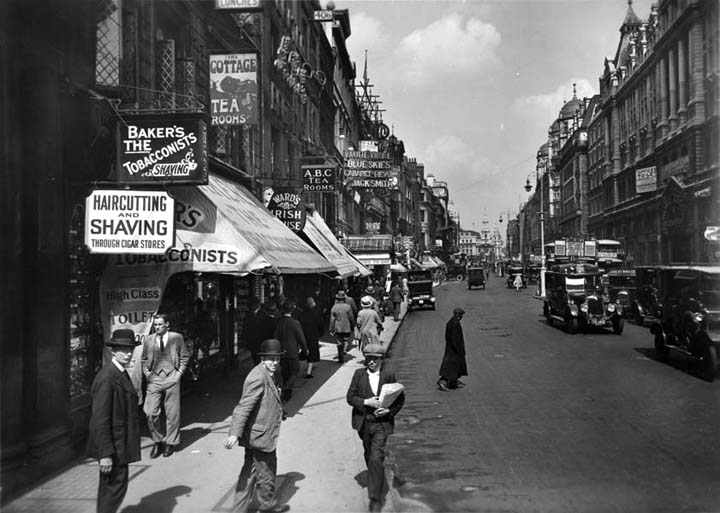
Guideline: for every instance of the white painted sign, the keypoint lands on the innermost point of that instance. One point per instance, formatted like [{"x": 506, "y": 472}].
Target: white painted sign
[
  {"x": 646, "y": 180},
  {"x": 121, "y": 221}
]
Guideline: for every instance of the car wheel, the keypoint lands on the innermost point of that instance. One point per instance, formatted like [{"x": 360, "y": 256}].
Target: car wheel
[
  {"x": 432, "y": 307},
  {"x": 639, "y": 319},
  {"x": 708, "y": 360},
  {"x": 618, "y": 325},
  {"x": 469, "y": 286},
  {"x": 662, "y": 353}
]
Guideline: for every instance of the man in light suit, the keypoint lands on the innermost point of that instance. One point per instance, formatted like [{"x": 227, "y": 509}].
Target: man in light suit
[
  {"x": 373, "y": 422},
  {"x": 114, "y": 431},
  {"x": 256, "y": 426},
  {"x": 164, "y": 360}
]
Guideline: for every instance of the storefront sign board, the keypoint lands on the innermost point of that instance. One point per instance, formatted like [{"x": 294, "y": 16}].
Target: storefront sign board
[
  {"x": 370, "y": 169},
  {"x": 646, "y": 180},
  {"x": 134, "y": 222},
  {"x": 319, "y": 178},
  {"x": 160, "y": 150},
  {"x": 239, "y": 5},
  {"x": 287, "y": 205},
  {"x": 233, "y": 89}
]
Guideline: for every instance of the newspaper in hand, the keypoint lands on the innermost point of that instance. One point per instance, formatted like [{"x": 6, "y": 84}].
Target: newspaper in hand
[{"x": 390, "y": 392}]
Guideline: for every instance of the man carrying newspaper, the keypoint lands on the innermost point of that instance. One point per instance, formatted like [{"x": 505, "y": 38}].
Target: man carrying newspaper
[{"x": 376, "y": 398}]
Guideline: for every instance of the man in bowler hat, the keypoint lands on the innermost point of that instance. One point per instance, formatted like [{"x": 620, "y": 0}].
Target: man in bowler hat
[
  {"x": 373, "y": 422},
  {"x": 255, "y": 425},
  {"x": 114, "y": 438}
]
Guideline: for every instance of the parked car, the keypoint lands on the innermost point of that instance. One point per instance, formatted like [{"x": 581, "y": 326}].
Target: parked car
[
  {"x": 574, "y": 297},
  {"x": 533, "y": 273},
  {"x": 689, "y": 323},
  {"x": 645, "y": 304},
  {"x": 476, "y": 277},
  {"x": 512, "y": 272},
  {"x": 622, "y": 288},
  {"x": 420, "y": 289}
]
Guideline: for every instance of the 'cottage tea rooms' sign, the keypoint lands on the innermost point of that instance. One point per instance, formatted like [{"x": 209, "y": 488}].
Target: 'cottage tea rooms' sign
[{"x": 162, "y": 150}]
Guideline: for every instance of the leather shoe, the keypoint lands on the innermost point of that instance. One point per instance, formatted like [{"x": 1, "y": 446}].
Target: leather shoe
[
  {"x": 169, "y": 450},
  {"x": 442, "y": 386},
  {"x": 374, "y": 506},
  {"x": 460, "y": 384},
  {"x": 278, "y": 508},
  {"x": 157, "y": 450}
]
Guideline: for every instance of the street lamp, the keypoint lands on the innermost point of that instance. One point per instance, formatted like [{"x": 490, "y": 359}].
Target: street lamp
[{"x": 528, "y": 188}]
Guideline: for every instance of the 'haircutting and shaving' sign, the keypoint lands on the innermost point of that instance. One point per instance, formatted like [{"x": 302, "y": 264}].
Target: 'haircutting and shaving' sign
[
  {"x": 162, "y": 150},
  {"x": 140, "y": 222}
]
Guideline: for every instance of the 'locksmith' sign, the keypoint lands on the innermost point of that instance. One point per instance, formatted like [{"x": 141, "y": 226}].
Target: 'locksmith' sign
[
  {"x": 141, "y": 222},
  {"x": 162, "y": 150}
]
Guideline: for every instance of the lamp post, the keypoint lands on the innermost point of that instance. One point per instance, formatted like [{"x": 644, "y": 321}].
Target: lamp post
[{"x": 528, "y": 188}]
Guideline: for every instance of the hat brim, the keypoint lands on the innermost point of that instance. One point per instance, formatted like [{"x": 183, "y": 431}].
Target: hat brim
[{"x": 272, "y": 354}]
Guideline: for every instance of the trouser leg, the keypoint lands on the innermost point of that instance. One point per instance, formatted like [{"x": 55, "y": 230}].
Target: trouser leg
[
  {"x": 112, "y": 488},
  {"x": 265, "y": 473},
  {"x": 245, "y": 487},
  {"x": 374, "y": 439},
  {"x": 172, "y": 413},
  {"x": 153, "y": 410}
]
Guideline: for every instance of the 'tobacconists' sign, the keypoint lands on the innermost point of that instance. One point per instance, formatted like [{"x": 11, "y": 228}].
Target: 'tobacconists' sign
[{"x": 141, "y": 222}]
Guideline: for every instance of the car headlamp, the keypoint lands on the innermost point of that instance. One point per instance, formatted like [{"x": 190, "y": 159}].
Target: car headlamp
[
  {"x": 611, "y": 307},
  {"x": 584, "y": 307},
  {"x": 698, "y": 317}
]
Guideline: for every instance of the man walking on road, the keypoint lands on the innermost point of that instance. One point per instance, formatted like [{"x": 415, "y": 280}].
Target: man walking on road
[
  {"x": 164, "y": 360},
  {"x": 256, "y": 426},
  {"x": 453, "y": 364},
  {"x": 396, "y": 297},
  {"x": 114, "y": 431},
  {"x": 373, "y": 422}
]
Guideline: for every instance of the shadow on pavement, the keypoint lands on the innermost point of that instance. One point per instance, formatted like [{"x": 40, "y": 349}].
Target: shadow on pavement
[
  {"x": 286, "y": 487},
  {"x": 163, "y": 501}
]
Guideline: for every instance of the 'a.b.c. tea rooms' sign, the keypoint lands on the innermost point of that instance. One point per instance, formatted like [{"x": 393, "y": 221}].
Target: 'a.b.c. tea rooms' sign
[
  {"x": 162, "y": 150},
  {"x": 141, "y": 222}
]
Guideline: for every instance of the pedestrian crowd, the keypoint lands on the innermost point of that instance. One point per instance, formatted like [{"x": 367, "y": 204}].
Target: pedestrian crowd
[{"x": 280, "y": 335}]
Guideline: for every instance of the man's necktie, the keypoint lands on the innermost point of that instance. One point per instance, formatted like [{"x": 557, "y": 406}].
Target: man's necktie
[{"x": 162, "y": 344}]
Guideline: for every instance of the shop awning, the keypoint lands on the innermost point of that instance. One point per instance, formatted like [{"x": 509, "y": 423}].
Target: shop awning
[
  {"x": 439, "y": 262},
  {"x": 362, "y": 270},
  {"x": 223, "y": 219},
  {"x": 320, "y": 236},
  {"x": 373, "y": 258},
  {"x": 399, "y": 268}
]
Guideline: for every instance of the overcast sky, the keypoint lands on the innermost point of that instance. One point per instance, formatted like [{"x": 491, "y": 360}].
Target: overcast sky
[{"x": 471, "y": 87}]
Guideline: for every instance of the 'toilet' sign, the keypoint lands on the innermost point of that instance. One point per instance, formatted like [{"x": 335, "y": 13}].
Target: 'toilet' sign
[{"x": 140, "y": 222}]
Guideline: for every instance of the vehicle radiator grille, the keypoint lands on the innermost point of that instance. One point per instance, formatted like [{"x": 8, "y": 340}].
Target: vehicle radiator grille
[{"x": 595, "y": 306}]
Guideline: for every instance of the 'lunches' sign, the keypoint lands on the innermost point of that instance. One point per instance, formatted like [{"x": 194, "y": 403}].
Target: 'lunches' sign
[{"x": 140, "y": 222}]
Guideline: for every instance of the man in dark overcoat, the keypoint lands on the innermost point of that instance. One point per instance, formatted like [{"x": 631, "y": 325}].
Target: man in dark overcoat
[
  {"x": 114, "y": 431},
  {"x": 453, "y": 363},
  {"x": 373, "y": 422},
  {"x": 292, "y": 340}
]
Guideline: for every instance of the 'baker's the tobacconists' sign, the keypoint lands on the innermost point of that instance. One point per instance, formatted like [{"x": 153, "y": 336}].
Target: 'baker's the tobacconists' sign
[{"x": 167, "y": 149}]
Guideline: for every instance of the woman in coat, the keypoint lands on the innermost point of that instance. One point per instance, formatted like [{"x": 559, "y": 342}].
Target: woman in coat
[
  {"x": 453, "y": 364},
  {"x": 312, "y": 325}
]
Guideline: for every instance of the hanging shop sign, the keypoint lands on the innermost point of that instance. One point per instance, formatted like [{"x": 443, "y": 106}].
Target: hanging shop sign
[
  {"x": 372, "y": 227},
  {"x": 287, "y": 205},
  {"x": 167, "y": 149},
  {"x": 319, "y": 178},
  {"x": 239, "y": 5},
  {"x": 233, "y": 89},
  {"x": 369, "y": 146},
  {"x": 323, "y": 16},
  {"x": 121, "y": 221},
  {"x": 370, "y": 169},
  {"x": 646, "y": 180}
]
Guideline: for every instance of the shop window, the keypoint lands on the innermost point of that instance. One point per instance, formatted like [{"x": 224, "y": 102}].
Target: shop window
[{"x": 108, "y": 43}]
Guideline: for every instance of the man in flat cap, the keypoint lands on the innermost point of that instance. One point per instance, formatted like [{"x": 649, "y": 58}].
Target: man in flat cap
[
  {"x": 256, "y": 426},
  {"x": 453, "y": 363},
  {"x": 373, "y": 421},
  {"x": 114, "y": 438}
]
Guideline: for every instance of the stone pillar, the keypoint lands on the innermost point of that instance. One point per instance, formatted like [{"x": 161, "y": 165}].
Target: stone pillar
[
  {"x": 663, "y": 124},
  {"x": 672, "y": 93},
  {"x": 696, "y": 105},
  {"x": 682, "y": 80}
]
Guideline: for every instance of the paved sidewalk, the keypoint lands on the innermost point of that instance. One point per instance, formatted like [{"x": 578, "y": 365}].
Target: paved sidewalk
[{"x": 320, "y": 456}]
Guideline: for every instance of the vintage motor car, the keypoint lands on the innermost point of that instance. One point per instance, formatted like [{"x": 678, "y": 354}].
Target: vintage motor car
[
  {"x": 689, "y": 323},
  {"x": 533, "y": 273},
  {"x": 476, "y": 277},
  {"x": 420, "y": 290},
  {"x": 645, "y": 303},
  {"x": 513, "y": 271},
  {"x": 574, "y": 297},
  {"x": 621, "y": 288}
]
